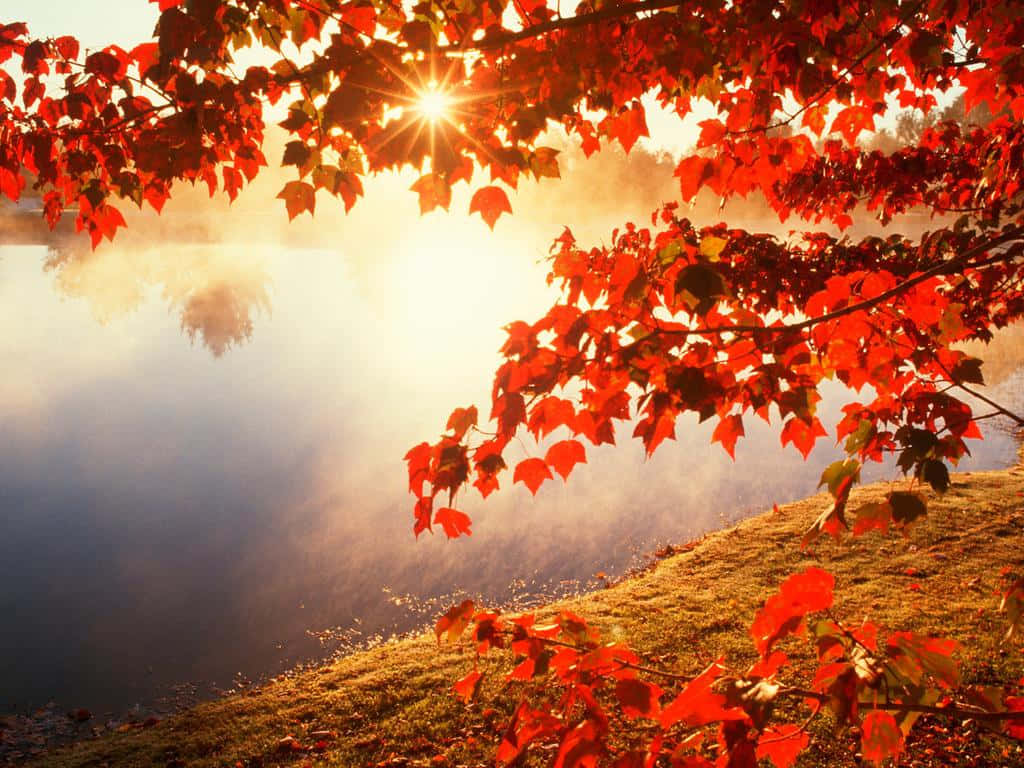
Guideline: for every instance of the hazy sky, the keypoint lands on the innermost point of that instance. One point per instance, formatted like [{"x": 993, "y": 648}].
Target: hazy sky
[{"x": 93, "y": 22}]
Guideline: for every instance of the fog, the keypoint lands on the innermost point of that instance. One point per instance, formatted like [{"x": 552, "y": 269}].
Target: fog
[{"x": 202, "y": 429}]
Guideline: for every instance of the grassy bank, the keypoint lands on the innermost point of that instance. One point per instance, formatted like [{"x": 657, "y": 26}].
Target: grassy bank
[{"x": 392, "y": 705}]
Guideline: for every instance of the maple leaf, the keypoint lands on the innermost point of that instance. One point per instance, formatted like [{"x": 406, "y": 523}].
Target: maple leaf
[
  {"x": 453, "y": 522},
  {"x": 461, "y": 420},
  {"x": 802, "y": 434},
  {"x": 564, "y": 455},
  {"x": 531, "y": 473},
  {"x": 490, "y": 203},
  {"x": 852, "y": 120},
  {"x": 697, "y": 704},
  {"x": 783, "y": 613},
  {"x": 638, "y": 698},
  {"x": 881, "y": 738},
  {"x": 454, "y": 621},
  {"x": 434, "y": 191},
  {"x": 782, "y": 744},
  {"x": 298, "y": 196},
  {"x": 729, "y": 429},
  {"x": 468, "y": 686}
]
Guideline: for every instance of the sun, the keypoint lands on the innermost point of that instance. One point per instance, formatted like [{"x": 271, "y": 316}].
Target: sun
[{"x": 433, "y": 103}]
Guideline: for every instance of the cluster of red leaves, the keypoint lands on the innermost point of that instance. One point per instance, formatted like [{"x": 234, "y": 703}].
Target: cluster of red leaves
[
  {"x": 596, "y": 703},
  {"x": 728, "y": 325},
  {"x": 665, "y": 321},
  {"x": 128, "y": 124}
]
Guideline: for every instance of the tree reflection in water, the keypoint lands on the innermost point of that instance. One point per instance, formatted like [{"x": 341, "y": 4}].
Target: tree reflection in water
[{"x": 216, "y": 291}]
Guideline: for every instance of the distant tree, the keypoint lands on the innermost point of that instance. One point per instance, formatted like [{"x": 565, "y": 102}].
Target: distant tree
[{"x": 668, "y": 319}]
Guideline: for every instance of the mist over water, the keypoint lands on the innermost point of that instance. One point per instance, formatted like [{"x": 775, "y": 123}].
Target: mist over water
[{"x": 202, "y": 430}]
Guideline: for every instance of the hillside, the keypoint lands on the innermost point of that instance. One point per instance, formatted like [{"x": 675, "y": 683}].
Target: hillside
[{"x": 392, "y": 706}]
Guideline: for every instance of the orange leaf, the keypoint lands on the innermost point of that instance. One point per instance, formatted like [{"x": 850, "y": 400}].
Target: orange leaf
[
  {"x": 434, "y": 191},
  {"x": 455, "y": 621},
  {"x": 468, "y": 686},
  {"x": 490, "y": 203},
  {"x": 531, "y": 472},
  {"x": 298, "y": 196},
  {"x": 564, "y": 455}
]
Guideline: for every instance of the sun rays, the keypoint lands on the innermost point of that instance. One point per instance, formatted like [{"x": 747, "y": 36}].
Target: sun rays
[{"x": 433, "y": 103}]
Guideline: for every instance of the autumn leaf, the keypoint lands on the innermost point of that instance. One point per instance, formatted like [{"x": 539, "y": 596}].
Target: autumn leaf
[
  {"x": 881, "y": 738},
  {"x": 434, "y": 191},
  {"x": 852, "y": 120},
  {"x": 564, "y": 455},
  {"x": 453, "y": 522},
  {"x": 455, "y": 621},
  {"x": 298, "y": 196},
  {"x": 698, "y": 704},
  {"x": 461, "y": 420},
  {"x": 729, "y": 429},
  {"x": 638, "y": 698},
  {"x": 490, "y": 203},
  {"x": 467, "y": 687},
  {"x": 783, "y": 613},
  {"x": 782, "y": 744},
  {"x": 531, "y": 473}
]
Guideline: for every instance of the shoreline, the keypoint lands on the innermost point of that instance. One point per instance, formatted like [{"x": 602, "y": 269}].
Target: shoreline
[{"x": 411, "y": 675}]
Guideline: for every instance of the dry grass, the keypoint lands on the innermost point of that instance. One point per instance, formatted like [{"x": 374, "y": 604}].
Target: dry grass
[{"x": 392, "y": 705}]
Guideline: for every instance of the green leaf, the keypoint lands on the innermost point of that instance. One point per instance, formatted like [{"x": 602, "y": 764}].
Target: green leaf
[
  {"x": 670, "y": 253},
  {"x": 860, "y": 436},
  {"x": 711, "y": 247},
  {"x": 838, "y": 471}
]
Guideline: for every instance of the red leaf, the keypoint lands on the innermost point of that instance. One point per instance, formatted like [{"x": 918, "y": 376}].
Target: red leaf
[
  {"x": 564, "y": 455},
  {"x": 468, "y": 686},
  {"x": 782, "y": 745},
  {"x": 692, "y": 173},
  {"x": 729, "y": 429},
  {"x": 802, "y": 434},
  {"x": 783, "y": 613},
  {"x": 145, "y": 56},
  {"x": 852, "y": 120},
  {"x": 638, "y": 699},
  {"x": 361, "y": 17},
  {"x": 698, "y": 705},
  {"x": 490, "y": 203},
  {"x": 531, "y": 472},
  {"x": 455, "y": 523},
  {"x": 8, "y": 90},
  {"x": 881, "y": 738},
  {"x": 418, "y": 461},
  {"x": 580, "y": 748},
  {"x": 627, "y": 127}
]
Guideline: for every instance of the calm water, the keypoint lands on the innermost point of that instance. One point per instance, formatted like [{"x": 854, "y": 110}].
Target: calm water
[{"x": 201, "y": 459}]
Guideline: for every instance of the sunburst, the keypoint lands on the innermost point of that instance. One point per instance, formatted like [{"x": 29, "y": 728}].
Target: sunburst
[{"x": 433, "y": 103}]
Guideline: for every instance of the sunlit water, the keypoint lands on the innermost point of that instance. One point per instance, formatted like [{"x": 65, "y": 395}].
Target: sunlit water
[{"x": 168, "y": 515}]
